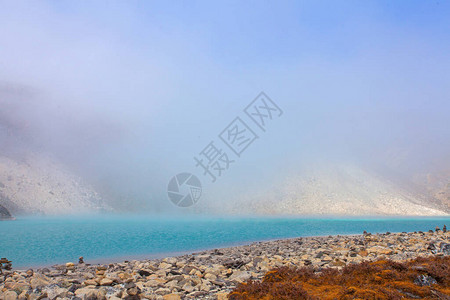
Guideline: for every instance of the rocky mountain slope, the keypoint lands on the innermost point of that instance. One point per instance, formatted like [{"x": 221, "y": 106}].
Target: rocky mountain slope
[
  {"x": 341, "y": 189},
  {"x": 437, "y": 184},
  {"x": 35, "y": 184}
]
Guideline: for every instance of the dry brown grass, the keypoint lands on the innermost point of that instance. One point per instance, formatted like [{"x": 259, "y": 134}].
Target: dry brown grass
[{"x": 382, "y": 279}]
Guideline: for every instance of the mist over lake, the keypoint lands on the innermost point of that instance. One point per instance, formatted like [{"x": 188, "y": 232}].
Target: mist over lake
[
  {"x": 115, "y": 100},
  {"x": 224, "y": 149}
]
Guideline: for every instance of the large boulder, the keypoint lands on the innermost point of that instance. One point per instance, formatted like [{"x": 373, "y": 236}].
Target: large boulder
[{"x": 4, "y": 214}]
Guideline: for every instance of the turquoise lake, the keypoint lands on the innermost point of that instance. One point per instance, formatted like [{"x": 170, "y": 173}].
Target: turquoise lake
[{"x": 38, "y": 241}]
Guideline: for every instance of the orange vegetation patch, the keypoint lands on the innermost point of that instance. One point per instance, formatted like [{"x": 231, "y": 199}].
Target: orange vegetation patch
[{"x": 424, "y": 278}]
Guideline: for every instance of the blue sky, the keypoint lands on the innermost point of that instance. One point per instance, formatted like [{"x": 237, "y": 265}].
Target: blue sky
[
  {"x": 238, "y": 33},
  {"x": 132, "y": 90}
]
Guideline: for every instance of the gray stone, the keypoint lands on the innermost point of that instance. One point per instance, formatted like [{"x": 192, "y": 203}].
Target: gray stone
[{"x": 10, "y": 295}]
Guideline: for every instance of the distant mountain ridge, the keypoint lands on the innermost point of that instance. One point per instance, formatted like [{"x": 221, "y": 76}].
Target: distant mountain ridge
[{"x": 36, "y": 184}]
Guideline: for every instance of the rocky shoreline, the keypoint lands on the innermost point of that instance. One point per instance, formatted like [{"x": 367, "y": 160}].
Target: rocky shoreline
[{"x": 214, "y": 273}]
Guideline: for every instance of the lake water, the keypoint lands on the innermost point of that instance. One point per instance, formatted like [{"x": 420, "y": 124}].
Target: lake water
[{"x": 33, "y": 241}]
